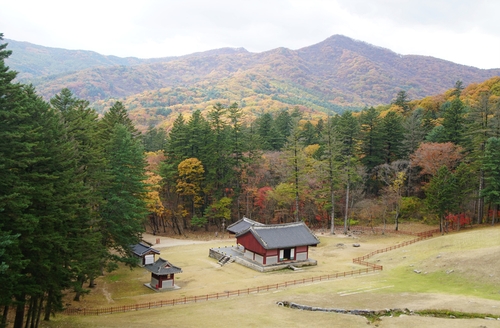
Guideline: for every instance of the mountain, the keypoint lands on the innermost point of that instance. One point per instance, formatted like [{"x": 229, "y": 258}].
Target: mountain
[{"x": 336, "y": 74}]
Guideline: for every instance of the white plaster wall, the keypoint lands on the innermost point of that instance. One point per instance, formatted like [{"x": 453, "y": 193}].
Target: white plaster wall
[
  {"x": 301, "y": 256},
  {"x": 272, "y": 260},
  {"x": 259, "y": 258},
  {"x": 167, "y": 283},
  {"x": 154, "y": 282},
  {"x": 249, "y": 254}
]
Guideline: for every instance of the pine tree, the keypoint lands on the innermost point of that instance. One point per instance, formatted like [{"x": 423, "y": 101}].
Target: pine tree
[
  {"x": 15, "y": 156},
  {"x": 393, "y": 136},
  {"x": 237, "y": 147},
  {"x": 331, "y": 156},
  {"x": 348, "y": 128},
  {"x": 220, "y": 173},
  {"x": 371, "y": 138},
  {"x": 309, "y": 134},
  {"x": 440, "y": 194},
  {"x": 491, "y": 168},
  {"x": 154, "y": 139},
  {"x": 117, "y": 114},
  {"x": 81, "y": 124},
  {"x": 283, "y": 125},
  {"x": 453, "y": 121},
  {"x": 480, "y": 127},
  {"x": 402, "y": 100},
  {"x": 39, "y": 201},
  {"x": 124, "y": 212}
]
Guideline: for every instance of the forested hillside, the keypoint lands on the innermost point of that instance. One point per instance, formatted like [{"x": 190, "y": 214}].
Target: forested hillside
[{"x": 332, "y": 76}]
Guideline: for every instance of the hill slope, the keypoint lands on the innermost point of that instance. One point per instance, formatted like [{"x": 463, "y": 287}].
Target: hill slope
[{"x": 332, "y": 75}]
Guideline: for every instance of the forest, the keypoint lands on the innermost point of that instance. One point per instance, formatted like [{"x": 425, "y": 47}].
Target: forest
[
  {"x": 434, "y": 160},
  {"x": 78, "y": 188}
]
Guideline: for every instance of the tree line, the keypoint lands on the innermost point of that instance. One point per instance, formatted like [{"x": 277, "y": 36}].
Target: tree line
[
  {"x": 418, "y": 160},
  {"x": 72, "y": 197}
]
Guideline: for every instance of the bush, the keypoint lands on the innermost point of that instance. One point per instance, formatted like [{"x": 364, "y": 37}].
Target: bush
[{"x": 198, "y": 222}]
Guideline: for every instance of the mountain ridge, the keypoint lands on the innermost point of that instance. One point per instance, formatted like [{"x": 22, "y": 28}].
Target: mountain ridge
[{"x": 334, "y": 74}]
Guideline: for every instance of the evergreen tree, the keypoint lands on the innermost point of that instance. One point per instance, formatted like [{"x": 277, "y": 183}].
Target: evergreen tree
[
  {"x": 453, "y": 121},
  {"x": 440, "y": 194},
  {"x": 117, "y": 114},
  {"x": 414, "y": 132},
  {"x": 236, "y": 149},
  {"x": 491, "y": 168},
  {"x": 371, "y": 147},
  {"x": 47, "y": 221},
  {"x": 220, "y": 173},
  {"x": 39, "y": 201},
  {"x": 268, "y": 133},
  {"x": 177, "y": 143},
  {"x": 331, "y": 156},
  {"x": 14, "y": 156},
  {"x": 402, "y": 101},
  {"x": 348, "y": 128},
  {"x": 309, "y": 135},
  {"x": 294, "y": 155},
  {"x": 283, "y": 125},
  {"x": 480, "y": 127},
  {"x": 393, "y": 136},
  {"x": 199, "y": 138},
  {"x": 154, "y": 139},
  {"x": 81, "y": 125},
  {"x": 124, "y": 211}
]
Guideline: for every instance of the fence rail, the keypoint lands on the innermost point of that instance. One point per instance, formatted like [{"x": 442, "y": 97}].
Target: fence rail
[{"x": 370, "y": 267}]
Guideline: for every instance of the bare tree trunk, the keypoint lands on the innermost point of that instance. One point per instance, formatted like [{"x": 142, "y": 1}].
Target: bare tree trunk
[
  {"x": 48, "y": 307},
  {"x": 480, "y": 205},
  {"x": 346, "y": 207},
  {"x": 332, "y": 214},
  {"x": 18, "y": 321},
  {"x": 296, "y": 184},
  {"x": 39, "y": 312},
  {"x": 30, "y": 312},
  {"x": 495, "y": 213},
  {"x": 3, "y": 324},
  {"x": 78, "y": 292}
]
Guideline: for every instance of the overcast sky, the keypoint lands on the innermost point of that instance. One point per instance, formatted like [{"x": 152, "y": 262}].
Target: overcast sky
[{"x": 463, "y": 31}]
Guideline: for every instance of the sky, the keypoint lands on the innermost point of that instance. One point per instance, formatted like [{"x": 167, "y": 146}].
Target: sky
[{"x": 462, "y": 31}]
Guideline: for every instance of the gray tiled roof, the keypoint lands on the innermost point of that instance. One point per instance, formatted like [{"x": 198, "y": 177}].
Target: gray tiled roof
[
  {"x": 162, "y": 267},
  {"x": 242, "y": 225},
  {"x": 282, "y": 235},
  {"x": 141, "y": 249}
]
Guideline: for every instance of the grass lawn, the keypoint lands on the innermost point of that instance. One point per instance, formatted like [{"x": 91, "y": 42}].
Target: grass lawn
[{"x": 458, "y": 271}]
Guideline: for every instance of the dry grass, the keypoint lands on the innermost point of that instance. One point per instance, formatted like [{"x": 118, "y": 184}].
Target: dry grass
[{"x": 396, "y": 287}]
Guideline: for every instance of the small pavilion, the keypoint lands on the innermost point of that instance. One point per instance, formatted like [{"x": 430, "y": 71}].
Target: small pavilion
[{"x": 162, "y": 275}]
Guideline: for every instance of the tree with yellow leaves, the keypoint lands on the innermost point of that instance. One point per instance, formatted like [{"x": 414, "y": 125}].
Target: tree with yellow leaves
[{"x": 191, "y": 175}]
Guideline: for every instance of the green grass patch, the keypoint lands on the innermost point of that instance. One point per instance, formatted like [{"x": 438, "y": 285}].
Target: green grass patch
[
  {"x": 454, "y": 314},
  {"x": 405, "y": 279}
]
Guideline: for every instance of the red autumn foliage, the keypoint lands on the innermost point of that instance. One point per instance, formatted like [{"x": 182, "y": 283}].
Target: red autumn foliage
[
  {"x": 431, "y": 156},
  {"x": 456, "y": 220},
  {"x": 261, "y": 198}
]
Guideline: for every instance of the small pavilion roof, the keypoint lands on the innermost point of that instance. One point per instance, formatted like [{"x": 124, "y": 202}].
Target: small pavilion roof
[
  {"x": 162, "y": 267},
  {"x": 242, "y": 225},
  {"x": 141, "y": 249}
]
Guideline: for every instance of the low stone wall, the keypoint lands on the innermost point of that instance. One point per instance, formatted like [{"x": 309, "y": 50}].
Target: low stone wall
[
  {"x": 343, "y": 311},
  {"x": 215, "y": 255}
]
